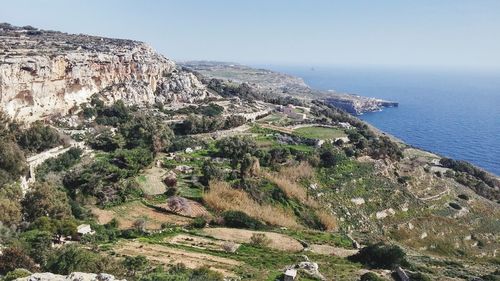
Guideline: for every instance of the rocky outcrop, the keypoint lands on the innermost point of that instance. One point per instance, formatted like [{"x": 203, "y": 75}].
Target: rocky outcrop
[
  {"x": 276, "y": 84},
  {"x": 43, "y": 73},
  {"x": 358, "y": 105},
  {"x": 75, "y": 276}
]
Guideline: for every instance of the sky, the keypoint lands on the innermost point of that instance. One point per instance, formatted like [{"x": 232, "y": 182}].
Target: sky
[{"x": 421, "y": 33}]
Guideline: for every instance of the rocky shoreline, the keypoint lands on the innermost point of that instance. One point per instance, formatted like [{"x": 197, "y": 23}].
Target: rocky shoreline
[{"x": 277, "y": 83}]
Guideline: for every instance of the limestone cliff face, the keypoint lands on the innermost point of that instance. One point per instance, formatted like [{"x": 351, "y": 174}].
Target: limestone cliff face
[{"x": 44, "y": 73}]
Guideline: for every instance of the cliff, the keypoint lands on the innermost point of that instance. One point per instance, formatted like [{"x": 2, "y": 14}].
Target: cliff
[
  {"x": 277, "y": 83},
  {"x": 358, "y": 105},
  {"x": 45, "y": 73}
]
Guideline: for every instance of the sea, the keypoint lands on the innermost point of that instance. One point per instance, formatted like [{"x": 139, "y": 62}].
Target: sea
[{"x": 452, "y": 113}]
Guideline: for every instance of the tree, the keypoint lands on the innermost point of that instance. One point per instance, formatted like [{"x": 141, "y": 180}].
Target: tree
[
  {"x": 330, "y": 158},
  {"x": 146, "y": 131},
  {"x": 235, "y": 148},
  {"x": 210, "y": 172},
  {"x": 11, "y": 212},
  {"x": 106, "y": 140},
  {"x": 38, "y": 244},
  {"x": 12, "y": 162},
  {"x": 45, "y": 199},
  {"x": 39, "y": 137},
  {"x": 13, "y": 258},
  {"x": 249, "y": 166}
]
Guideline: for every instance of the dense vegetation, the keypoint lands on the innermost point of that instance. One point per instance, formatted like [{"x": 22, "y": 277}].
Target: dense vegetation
[{"x": 269, "y": 180}]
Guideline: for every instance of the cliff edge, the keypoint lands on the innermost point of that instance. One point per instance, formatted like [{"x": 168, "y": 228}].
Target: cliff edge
[{"x": 43, "y": 73}]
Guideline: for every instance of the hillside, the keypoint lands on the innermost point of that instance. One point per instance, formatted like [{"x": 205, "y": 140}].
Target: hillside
[{"x": 160, "y": 173}]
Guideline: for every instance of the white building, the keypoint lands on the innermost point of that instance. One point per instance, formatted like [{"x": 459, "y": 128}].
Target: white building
[
  {"x": 84, "y": 229},
  {"x": 290, "y": 274}
]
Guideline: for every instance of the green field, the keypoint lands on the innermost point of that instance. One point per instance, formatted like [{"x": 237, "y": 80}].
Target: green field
[{"x": 321, "y": 133}]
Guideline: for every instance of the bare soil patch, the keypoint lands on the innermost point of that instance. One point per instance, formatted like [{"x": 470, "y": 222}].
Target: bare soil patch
[
  {"x": 199, "y": 242},
  {"x": 170, "y": 256},
  {"x": 128, "y": 213},
  {"x": 193, "y": 209},
  {"x": 277, "y": 241},
  {"x": 331, "y": 251}
]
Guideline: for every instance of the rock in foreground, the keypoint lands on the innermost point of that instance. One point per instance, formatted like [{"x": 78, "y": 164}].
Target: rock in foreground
[{"x": 75, "y": 276}]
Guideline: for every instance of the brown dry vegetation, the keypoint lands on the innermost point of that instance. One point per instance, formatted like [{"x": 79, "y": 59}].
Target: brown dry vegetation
[
  {"x": 327, "y": 219},
  {"x": 287, "y": 179},
  {"x": 302, "y": 171},
  {"x": 222, "y": 197}
]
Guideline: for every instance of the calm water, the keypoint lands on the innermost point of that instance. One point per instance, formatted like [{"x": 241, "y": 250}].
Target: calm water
[{"x": 455, "y": 114}]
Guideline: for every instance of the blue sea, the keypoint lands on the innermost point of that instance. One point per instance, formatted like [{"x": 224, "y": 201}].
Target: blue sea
[{"x": 452, "y": 113}]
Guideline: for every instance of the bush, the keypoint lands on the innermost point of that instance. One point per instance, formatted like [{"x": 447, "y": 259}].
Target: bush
[
  {"x": 259, "y": 239},
  {"x": 463, "y": 197},
  {"x": 419, "y": 277},
  {"x": 16, "y": 273},
  {"x": 199, "y": 222},
  {"x": 455, "y": 206},
  {"x": 74, "y": 259},
  {"x": 239, "y": 219},
  {"x": 380, "y": 256},
  {"x": 370, "y": 276}
]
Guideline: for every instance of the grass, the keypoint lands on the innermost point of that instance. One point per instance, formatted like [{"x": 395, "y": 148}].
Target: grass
[
  {"x": 320, "y": 237},
  {"x": 321, "y": 133}
]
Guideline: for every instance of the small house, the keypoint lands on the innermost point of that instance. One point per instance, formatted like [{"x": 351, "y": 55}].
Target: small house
[
  {"x": 84, "y": 229},
  {"x": 290, "y": 274}
]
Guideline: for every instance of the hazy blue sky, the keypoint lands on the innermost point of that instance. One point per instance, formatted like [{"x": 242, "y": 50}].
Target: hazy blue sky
[{"x": 445, "y": 33}]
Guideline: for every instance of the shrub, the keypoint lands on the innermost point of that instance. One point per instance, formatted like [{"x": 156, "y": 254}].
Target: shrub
[
  {"x": 455, "y": 206},
  {"x": 419, "y": 277},
  {"x": 178, "y": 204},
  {"x": 463, "y": 197},
  {"x": 239, "y": 219},
  {"x": 229, "y": 247},
  {"x": 75, "y": 259},
  {"x": 135, "y": 264},
  {"x": 16, "y": 273},
  {"x": 259, "y": 239},
  {"x": 370, "y": 276},
  {"x": 380, "y": 256},
  {"x": 327, "y": 220},
  {"x": 199, "y": 222}
]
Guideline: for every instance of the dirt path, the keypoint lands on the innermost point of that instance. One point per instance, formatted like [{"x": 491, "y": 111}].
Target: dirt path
[
  {"x": 201, "y": 242},
  {"x": 168, "y": 256},
  {"x": 331, "y": 251},
  {"x": 277, "y": 241}
]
